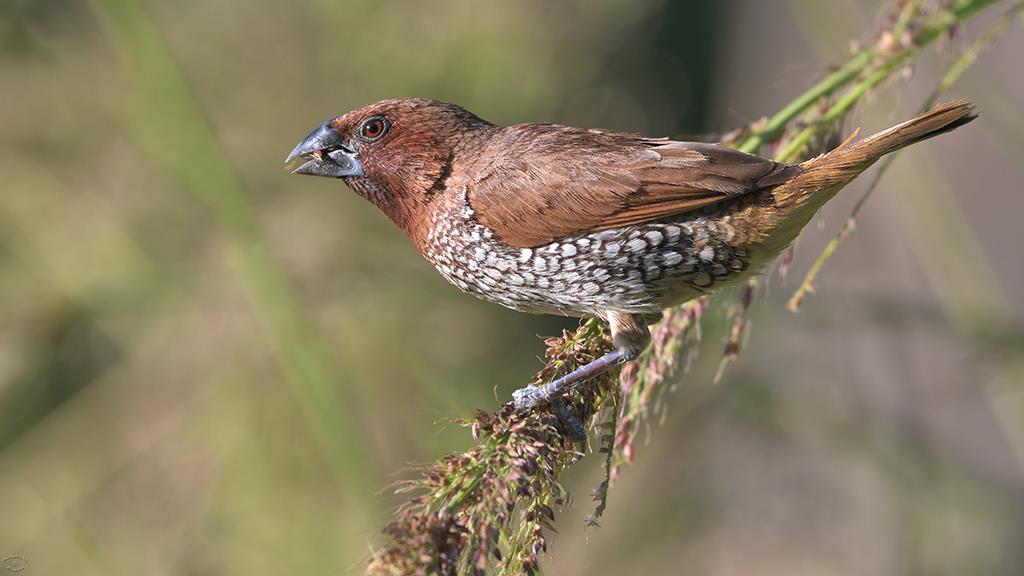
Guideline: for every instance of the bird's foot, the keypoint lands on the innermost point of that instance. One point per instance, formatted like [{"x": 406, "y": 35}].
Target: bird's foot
[
  {"x": 629, "y": 336},
  {"x": 571, "y": 426},
  {"x": 533, "y": 396}
]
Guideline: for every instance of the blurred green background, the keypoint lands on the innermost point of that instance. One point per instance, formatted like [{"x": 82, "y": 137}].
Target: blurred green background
[{"x": 208, "y": 366}]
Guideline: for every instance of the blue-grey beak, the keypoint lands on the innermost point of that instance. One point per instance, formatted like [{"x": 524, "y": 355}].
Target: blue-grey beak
[{"x": 327, "y": 154}]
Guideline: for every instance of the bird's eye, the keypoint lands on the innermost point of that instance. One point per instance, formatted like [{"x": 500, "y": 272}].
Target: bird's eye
[{"x": 373, "y": 128}]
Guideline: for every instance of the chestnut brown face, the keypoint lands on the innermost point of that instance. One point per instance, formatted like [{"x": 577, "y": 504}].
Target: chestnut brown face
[{"x": 392, "y": 152}]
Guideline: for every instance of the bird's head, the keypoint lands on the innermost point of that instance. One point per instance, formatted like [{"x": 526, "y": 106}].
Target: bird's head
[{"x": 397, "y": 154}]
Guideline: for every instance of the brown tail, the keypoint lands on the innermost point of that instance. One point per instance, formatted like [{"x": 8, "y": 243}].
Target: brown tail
[{"x": 832, "y": 170}]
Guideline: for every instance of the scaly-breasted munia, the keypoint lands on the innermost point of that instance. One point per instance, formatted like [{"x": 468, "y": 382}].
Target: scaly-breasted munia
[{"x": 552, "y": 219}]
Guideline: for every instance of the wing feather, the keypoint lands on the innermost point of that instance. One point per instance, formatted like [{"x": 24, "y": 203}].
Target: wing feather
[{"x": 541, "y": 182}]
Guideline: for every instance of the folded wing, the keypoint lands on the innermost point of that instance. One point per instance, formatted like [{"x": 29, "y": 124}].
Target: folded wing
[{"x": 546, "y": 182}]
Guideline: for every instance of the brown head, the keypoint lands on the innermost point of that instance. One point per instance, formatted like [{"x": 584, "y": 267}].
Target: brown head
[{"x": 397, "y": 154}]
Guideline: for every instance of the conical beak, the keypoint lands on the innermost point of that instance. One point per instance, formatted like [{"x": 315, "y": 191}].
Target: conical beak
[{"x": 326, "y": 153}]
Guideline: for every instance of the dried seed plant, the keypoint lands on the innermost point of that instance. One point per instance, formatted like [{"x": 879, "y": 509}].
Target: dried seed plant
[{"x": 489, "y": 509}]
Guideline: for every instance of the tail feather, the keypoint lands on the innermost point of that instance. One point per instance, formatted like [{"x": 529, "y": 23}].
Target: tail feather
[{"x": 830, "y": 171}]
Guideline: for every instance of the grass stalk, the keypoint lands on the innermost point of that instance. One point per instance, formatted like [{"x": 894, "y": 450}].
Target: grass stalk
[
  {"x": 948, "y": 80},
  {"x": 881, "y": 57}
]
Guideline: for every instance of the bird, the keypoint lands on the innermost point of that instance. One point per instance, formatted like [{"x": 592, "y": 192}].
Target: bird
[{"x": 551, "y": 219}]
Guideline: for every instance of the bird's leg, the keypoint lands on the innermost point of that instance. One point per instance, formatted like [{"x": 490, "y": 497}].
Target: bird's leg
[{"x": 629, "y": 337}]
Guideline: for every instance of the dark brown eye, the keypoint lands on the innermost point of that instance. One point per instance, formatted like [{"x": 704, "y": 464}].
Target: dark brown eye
[{"x": 373, "y": 128}]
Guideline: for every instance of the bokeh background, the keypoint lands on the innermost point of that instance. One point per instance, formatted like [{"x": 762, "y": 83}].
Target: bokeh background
[{"x": 209, "y": 367}]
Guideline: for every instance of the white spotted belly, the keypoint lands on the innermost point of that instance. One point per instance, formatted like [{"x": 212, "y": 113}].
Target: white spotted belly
[{"x": 637, "y": 269}]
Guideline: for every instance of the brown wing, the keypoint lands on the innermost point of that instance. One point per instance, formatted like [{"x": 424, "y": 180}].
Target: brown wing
[{"x": 543, "y": 182}]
